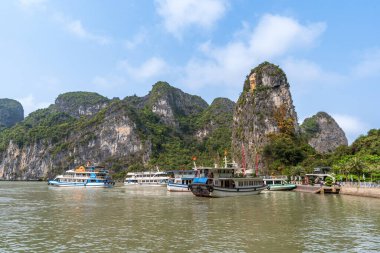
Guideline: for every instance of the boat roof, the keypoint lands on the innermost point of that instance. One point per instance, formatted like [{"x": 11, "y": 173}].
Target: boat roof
[
  {"x": 200, "y": 180},
  {"x": 321, "y": 175},
  {"x": 181, "y": 171},
  {"x": 146, "y": 172},
  {"x": 218, "y": 168},
  {"x": 274, "y": 179}
]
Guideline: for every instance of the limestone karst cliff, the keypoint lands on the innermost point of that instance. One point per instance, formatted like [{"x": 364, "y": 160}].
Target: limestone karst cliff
[
  {"x": 158, "y": 129},
  {"x": 323, "y": 133},
  {"x": 80, "y": 103},
  {"x": 218, "y": 115},
  {"x": 11, "y": 112},
  {"x": 170, "y": 103},
  {"x": 58, "y": 142},
  {"x": 264, "y": 107},
  {"x": 165, "y": 128}
]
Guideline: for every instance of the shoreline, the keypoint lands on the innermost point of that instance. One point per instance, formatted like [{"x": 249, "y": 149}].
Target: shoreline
[{"x": 372, "y": 192}]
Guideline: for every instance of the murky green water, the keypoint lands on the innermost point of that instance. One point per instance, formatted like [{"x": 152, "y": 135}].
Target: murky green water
[{"x": 37, "y": 218}]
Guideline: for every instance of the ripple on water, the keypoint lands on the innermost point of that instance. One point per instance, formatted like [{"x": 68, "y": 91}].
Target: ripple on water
[{"x": 150, "y": 219}]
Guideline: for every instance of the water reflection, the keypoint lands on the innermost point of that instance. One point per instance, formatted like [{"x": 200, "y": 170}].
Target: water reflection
[{"x": 149, "y": 219}]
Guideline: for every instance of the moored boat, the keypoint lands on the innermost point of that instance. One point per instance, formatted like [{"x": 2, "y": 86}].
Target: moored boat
[
  {"x": 225, "y": 182},
  {"x": 149, "y": 178},
  {"x": 84, "y": 176},
  {"x": 179, "y": 180},
  {"x": 278, "y": 184}
]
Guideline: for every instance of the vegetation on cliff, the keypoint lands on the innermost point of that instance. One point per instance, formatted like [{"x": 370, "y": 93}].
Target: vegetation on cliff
[
  {"x": 168, "y": 128},
  {"x": 11, "y": 112},
  {"x": 80, "y": 103},
  {"x": 124, "y": 135}
]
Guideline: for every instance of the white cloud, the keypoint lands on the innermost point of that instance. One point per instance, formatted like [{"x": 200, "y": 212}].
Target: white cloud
[
  {"x": 350, "y": 124},
  {"x": 151, "y": 68},
  {"x": 305, "y": 74},
  {"x": 179, "y": 15},
  {"x": 30, "y": 4},
  {"x": 273, "y": 37},
  {"x": 369, "y": 65},
  {"x": 108, "y": 82},
  {"x": 76, "y": 28},
  {"x": 137, "y": 40},
  {"x": 30, "y": 104}
]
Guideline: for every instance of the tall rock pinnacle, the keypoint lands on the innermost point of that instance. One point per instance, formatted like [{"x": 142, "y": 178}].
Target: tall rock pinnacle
[{"x": 264, "y": 107}]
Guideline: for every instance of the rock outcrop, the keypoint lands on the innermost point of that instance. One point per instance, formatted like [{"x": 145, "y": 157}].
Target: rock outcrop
[
  {"x": 323, "y": 133},
  {"x": 80, "y": 103},
  {"x": 264, "y": 107},
  {"x": 218, "y": 115},
  {"x": 11, "y": 112},
  {"x": 158, "y": 129},
  {"x": 111, "y": 136},
  {"x": 170, "y": 103}
]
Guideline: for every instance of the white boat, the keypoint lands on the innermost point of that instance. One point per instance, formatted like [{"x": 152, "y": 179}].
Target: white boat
[
  {"x": 179, "y": 180},
  {"x": 158, "y": 178},
  {"x": 225, "y": 182},
  {"x": 89, "y": 176},
  {"x": 278, "y": 184}
]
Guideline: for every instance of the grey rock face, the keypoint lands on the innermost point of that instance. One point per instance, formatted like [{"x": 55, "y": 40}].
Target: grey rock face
[
  {"x": 115, "y": 136},
  {"x": 264, "y": 107},
  {"x": 217, "y": 115},
  {"x": 11, "y": 112},
  {"x": 323, "y": 133},
  {"x": 79, "y": 104},
  {"x": 169, "y": 103}
]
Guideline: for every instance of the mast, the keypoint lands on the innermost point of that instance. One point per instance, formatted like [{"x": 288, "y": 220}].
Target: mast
[
  {"x": 257, "y": 163},
  {"x": 243, "y": 165},
  {"x": 194, "y": 158},
  {"x": 225, "y": 158}
]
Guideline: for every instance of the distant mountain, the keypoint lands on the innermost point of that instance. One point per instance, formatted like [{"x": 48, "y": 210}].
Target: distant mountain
[
  {"x": 80, "y": 103},
  {"x": 166, "y": 129},
  {"x": 11, "y": 112},
  {"x": 368, "y": 144},
  {"x": 264, "y": 107},
  {"x": 323, "y": 133},
  {"x": 135, "y": 133},
  {"x": 170, "y": 103}
]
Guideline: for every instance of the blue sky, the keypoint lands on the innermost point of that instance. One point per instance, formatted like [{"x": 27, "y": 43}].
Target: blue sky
[{"x": 330, "y": 51}]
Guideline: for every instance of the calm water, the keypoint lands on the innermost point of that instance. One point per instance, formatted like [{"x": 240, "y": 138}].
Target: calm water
[{"x": 37, "y": 218}]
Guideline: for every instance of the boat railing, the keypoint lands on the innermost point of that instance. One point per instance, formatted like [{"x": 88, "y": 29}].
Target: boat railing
[{"x": 276, "y": 177}]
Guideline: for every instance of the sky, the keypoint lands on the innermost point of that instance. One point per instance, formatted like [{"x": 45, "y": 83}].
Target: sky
[{"x": 329, "y": 50}]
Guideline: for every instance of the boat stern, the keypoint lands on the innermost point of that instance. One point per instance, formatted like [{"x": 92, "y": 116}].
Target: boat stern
[{"x": 201, "y": 187}]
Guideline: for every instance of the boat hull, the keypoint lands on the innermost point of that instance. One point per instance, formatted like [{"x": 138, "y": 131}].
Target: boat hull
[
  {"x": 145, "y": 184},
  {"x": 288, "y": 187},
  {"x": 173, "y": 187},
  {"x": 77, "y": 184},
  {"x": 203, "y": 190}
]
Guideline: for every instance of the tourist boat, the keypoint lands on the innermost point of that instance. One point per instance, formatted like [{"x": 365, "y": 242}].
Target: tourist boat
[
  {"x": 225, "y": 182},
  {"x": 158, "y": 178},
  {"x": 84, "y": 176},
  {"x": 278, "y": 184},
  {"x": 179, "y": 180}
]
